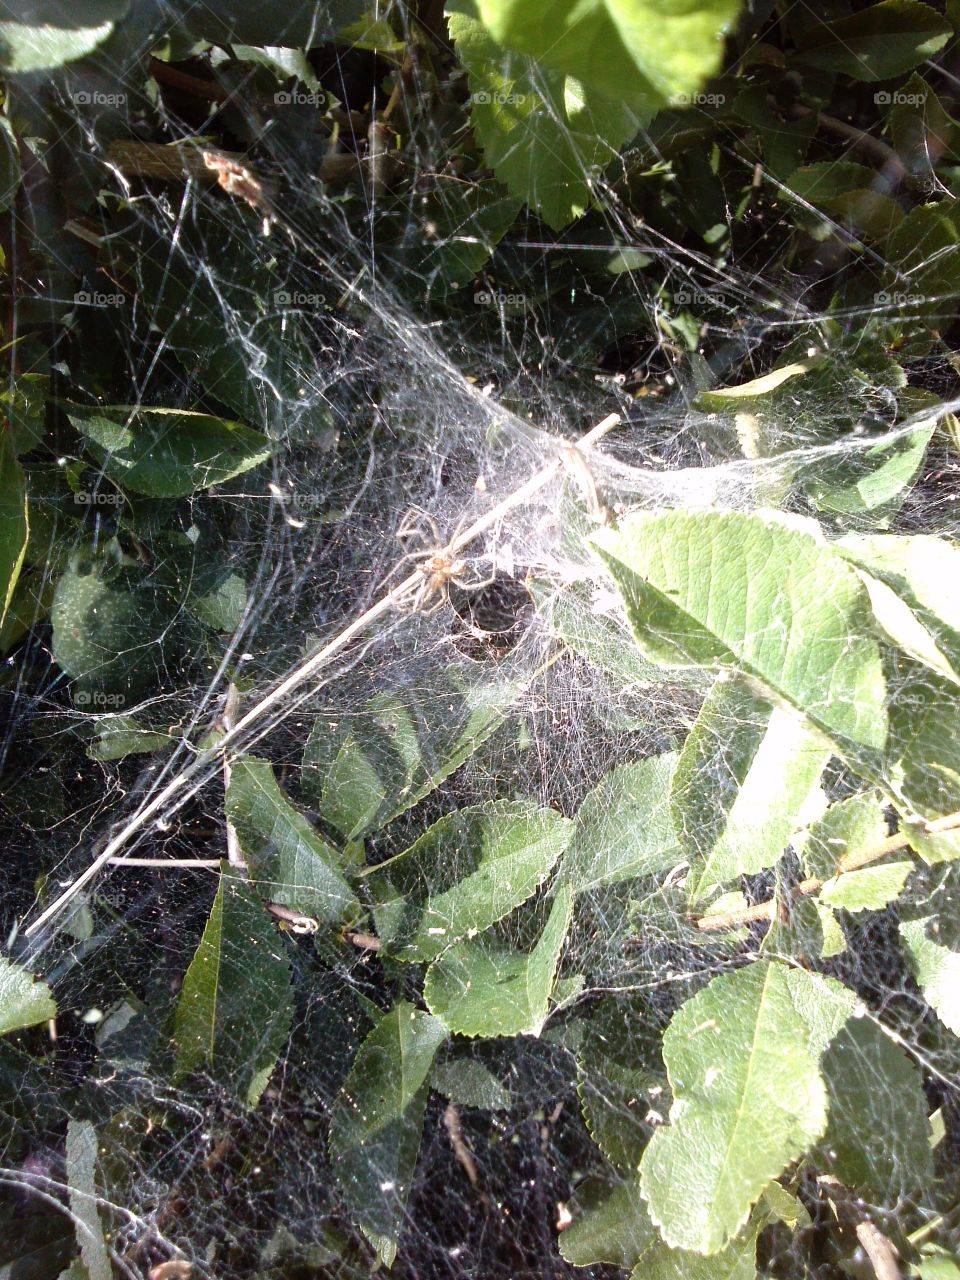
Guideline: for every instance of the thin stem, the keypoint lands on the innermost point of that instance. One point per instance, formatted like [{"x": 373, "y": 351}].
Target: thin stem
[
  {"x": 166, "y": 864},
  {"x": 177, "y": 788},
  {"x": 813, "y": 884}
]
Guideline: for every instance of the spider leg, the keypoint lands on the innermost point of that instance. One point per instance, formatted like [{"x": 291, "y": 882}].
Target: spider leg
[
  {"x": 417, "y": 523},
  {"x": 409, "y": 558}
]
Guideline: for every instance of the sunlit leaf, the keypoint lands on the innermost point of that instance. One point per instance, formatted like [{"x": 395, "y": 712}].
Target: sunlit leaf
[
  {"x": 466, "y": 872},
  {"x": 24, "y": 1000},
  {"x": 747, "y": 593},
  {"x": 846, "y": 828},
  {"x": 869, "y": 888},
  {"x": 166, "y": 452},
  {"x": 52, "y": 32},
  {"x": 542, "y": 132},
  {"x": 480, "y": 988},
  {"x": 623, "y": 827},
  {"x": 936, "y": 968},
  {"x": 748, "y": 1100},
  {"x": 642, "y": 53},
  {"x": 745, "y": 773}
]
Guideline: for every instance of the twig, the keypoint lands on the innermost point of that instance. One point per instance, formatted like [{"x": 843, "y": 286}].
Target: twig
[
  {"x": 363, "y": 941},
  {"x": 880, "y": 1251},
  {"x": 234, "y": 853},
  {"x": 162, "y": 864},
  {"x": 853, "y": 862},
  {"x": 451, "y": 1120},
  {"x": 179, "y": 789},
  {"x": 174, "y": 161}
]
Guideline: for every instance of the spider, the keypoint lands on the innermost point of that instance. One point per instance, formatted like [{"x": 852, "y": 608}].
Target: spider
[{"x": 441, "y": 568}]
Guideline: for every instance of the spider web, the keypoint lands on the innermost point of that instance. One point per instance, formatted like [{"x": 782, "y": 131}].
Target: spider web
[{"x": 322, "y": 316}]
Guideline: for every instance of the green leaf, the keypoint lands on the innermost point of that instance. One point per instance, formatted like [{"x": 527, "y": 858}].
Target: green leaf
[
  {"x": 924, "y": 571},
  {"x": 736, "y": 1261},
  {"x": 748, "y": 1100},
  {"x": 849, "y": 827},
  {"x": 55, "y": 32},
  {"x": 482, "y": 989},
  {"x": 236, "y": 1006},
  {"x": 746, "y": 771},
  {"x": 642, "y": 53},
  {"x": 542, "y": 132},
  {"x": 621, "y": 1095},
  {"x": 846, "y": 191},
  {"x": 922, "y": 131},
  {"x": 466, "y": 872},
  {"x": 612, "y": 1225},
  {"x": 14, "y": 523},
  {"x": 166, "y": 453},
  {"x": 596, "y": 636},
  {"x": 923, "y": 271},
  {"x": 938, "y": 1266},
  {"x": 24, "y": 1000},
  {"x": 465, "y": 224},
  {"x": 615, "y": 1227},
  {"x": 935, "y": 967},
  {"x": 884, "y": 40},
  {"x": 376, "y": 1122},
  {"x": 289, "y": 862},
  {"x": 222, "y": 606},
  {"x": 369, "y": 767},
  {"x": 469, "y": 1083},
  {"x": 105, "y": 635},
  {"x": 120, "y": 736},
  {"x": 25, "y": 406},
  {"x": 809, "y": 930},
  {"x": 924, "y": 752},
  {"x": 747, "y": 593},
  {"x": 868, "y": 889},
  {"x": 623, "y": 828},
  {"x": 868, "y": 480},
  {"x": 878, "y": 1136}
]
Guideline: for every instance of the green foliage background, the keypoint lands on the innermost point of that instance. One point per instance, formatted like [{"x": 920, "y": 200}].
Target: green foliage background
[{"x": 709, "y": 993}]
